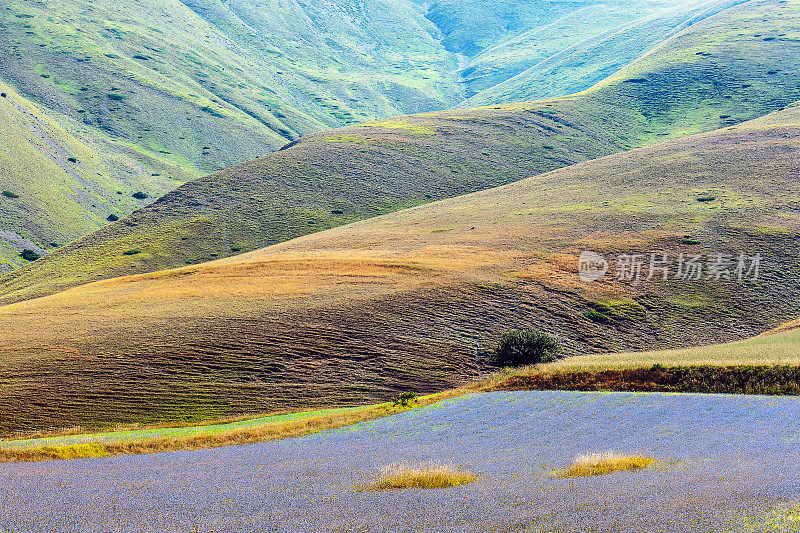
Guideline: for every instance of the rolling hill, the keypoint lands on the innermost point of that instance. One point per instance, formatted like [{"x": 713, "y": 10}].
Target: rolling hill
[
  {"x": 701, "y": 79},
  {"x": 208, "y": 84},
  {"x": 405, "y": 300},
  {"x": 163, "y": 91},
  {"x": 60, "y": 184}
]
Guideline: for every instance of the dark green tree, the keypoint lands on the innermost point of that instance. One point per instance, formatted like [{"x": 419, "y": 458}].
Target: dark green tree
[{"x": 520, "y": 347}]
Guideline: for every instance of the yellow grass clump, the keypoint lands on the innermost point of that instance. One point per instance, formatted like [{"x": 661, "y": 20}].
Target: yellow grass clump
[
  {"x": 596, "y": 464},
  {"x": 400, "y": 476}
]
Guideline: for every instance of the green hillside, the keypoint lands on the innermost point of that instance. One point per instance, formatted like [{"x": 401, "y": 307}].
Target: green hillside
[
  {"x": 175, "y": 89},
  {"x": 403, "y": 301},
  {"x": 699, "y": 80},
  {"x": 542, "y": 50},
  {"x": 591, "y": 59},
  {"x": 208, "y": 84},
  {"x": 61, "y": 184}
]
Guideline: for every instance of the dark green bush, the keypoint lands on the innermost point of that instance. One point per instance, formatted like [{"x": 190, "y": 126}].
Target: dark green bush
[
  {"x": 30, "y": 255},
  {"x": 520, "y": 347},
  {"x": 115, "y": 97},
  {"x": 404, "y": 398},
  {"x": 596, "y": 316},
  {"x": 706, "y": 198},
  {"x": 72, "y": 159},
  {"x": 112, "y": 217},
  {"x": 688, "y": 239},
  {"x": 9, "y": 194},
  {"x": 337, "y": 212},
  {"x": 235, "y": 249},
  {"x": 131, "y": 252},
  {"x": 139, "y": 195}
]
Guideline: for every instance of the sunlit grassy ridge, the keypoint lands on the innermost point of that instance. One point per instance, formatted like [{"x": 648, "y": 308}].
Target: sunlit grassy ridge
[
  {"x": 780, "y": 349},
  {"x": 403, "y": 301},
  {"x": 700, "y": 80},
  {"x": 64, "y": 183}
]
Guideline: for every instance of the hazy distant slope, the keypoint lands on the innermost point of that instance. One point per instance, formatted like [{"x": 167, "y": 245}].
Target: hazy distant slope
[
  {"x": 211, "y": 84},
  {"x": 402, "y": 301},
  {"x": 587, "y": 61},
  {"x": 556, "y": 48},
  {"x": 60, "y": 185},
  {"x": 700, "y": 81}
]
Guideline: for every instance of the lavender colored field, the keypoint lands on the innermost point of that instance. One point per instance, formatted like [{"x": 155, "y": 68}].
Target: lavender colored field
[{"x": 727, "y": 463}]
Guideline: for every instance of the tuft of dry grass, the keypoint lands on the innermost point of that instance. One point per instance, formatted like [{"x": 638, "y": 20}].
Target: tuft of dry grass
[
  {"x": 595, "y": 464},
  {"x": 424, "y": 476}
]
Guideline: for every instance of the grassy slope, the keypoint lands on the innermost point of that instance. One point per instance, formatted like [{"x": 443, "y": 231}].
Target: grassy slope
[
  {"x": 60, "y": 200},
  {"x": 401, "y": 301},
  {"x": 699, "y": 80},
  {"x": 171, "y": 89},
  {"x": 781, "y": 348},
  {"x": 208, "y": 84},
  {"x": 496, "y": 40},
  {"x": 601, "y": 40}
]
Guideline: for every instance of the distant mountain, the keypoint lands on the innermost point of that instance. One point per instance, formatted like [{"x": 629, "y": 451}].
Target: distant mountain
[
  {"x": 165, "y": 91},
  {"x": 405, "y": 301},
  {"x": 698, "y": 80}
]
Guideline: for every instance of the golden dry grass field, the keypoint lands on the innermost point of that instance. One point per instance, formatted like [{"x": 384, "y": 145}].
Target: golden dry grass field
[{"x": 402, "y": 301}]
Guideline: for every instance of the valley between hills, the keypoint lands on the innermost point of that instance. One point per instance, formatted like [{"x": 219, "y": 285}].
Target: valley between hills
[{"x": 388, "y": 265}]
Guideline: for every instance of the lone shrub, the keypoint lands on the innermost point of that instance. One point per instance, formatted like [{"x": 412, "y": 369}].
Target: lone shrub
[
  {"x": 404, "y": 398},
  {"x": 9, "y": 194},
  {"x": 521, "y": 347},
  {"x": 30, "y": 255},
  {"x": 112, "y": 217},
  {"x": 139, "y": 195},
  {"x": 706, "y": 198},
  {"x": 131, "y": 252}
]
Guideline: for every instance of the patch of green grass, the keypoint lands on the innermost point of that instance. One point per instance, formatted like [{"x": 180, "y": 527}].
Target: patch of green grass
[{"x": 596, "y": 316}]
